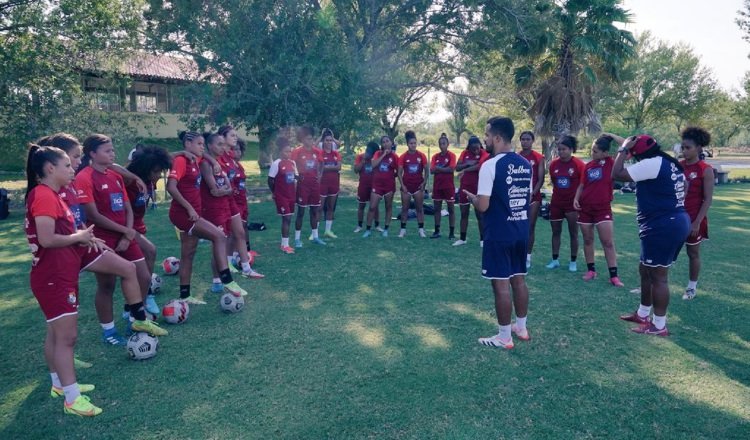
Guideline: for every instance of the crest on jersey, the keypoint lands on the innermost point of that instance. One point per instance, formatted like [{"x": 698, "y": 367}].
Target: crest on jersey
[
  {"x": 571, "y": 171},
  {"x": 693, "y": 175}
]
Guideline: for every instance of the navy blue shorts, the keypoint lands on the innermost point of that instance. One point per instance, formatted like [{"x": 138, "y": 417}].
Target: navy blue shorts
[
  {"x": 503, "y": 260},
  {"x": 662, "y": 242}
]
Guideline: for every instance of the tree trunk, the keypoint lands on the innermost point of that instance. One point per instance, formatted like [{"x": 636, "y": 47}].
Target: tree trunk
[{"x": 265, "y": 150}]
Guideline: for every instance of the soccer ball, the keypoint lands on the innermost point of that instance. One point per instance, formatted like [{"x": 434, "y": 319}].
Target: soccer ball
[
  {"x": 171, "y": 265},
  {"x": 155, "y": 283},
  {"x": 231, "y": 304},
  {"x": 175, "y": 311},
  {"x": 142, "y": 346}
]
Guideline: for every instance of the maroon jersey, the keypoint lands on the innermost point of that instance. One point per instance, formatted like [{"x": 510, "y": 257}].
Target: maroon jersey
[
  {"x": 57, "y": 266},
  {"x": 443, "y": 180},
  {"x": 209, "y": 202},
  {"x": 283, "y": 172},
  {"x": 238, "y": 185},
  {"x": 366, "y": 172},
  {"x": 69, "y": 195},
  {"x": 331, "y": 158},
  {"x": 107, "y": 191},
  {"x": 413, "y": 165},
  {"x": 308, "y": 163},
  {"x": 534, "y": 159},
  {"x": 566, "y": 176},
  {"x": 188, "y": 177},
  {"x": 597, "y": 183},
  {"x": 138, "y": 201},
  {"x": 470, "y": 179},
  {"x": 386, "y": 171},
  {"x": 694, "y": 174}
]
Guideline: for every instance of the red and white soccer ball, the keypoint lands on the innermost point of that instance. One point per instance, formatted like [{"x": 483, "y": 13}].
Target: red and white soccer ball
[
  {"x": 171, "y": 266},
  {"x": 175, "y": 311}
]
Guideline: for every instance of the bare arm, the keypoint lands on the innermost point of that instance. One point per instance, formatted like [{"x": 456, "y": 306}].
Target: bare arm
[
  {"x": 541, "y": 172},
  {"x": 708, "y": 196},
  {"x": 577, "y": 198},
  {"x": 207, "y": 174},
  {"x": 129, "y": 177},
  {"x": 618, "y": 169},
  {"x": 93, "y": 215},
  {"x": 177, "y": 197},
  {"x": 45, "y": 231}
]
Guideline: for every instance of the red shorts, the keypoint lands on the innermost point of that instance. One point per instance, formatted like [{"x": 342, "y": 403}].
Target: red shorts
[
  {"x": 241, "y": 204},
  {"x": 139, "y": 225},
  {"x": 181, "y": 221},
  {"x": 557, "y": 211},
  {"x": 702, "y": 234},
  {"x": 233, "y": 208},
  {"x": 593, "y": 215},
  {"x": 308, "y": 194},
  {"x": 56, "y": 299},
  {"x": 284, "y": 206},
  {"x": 329, "y": 188},
  {"x": 87, "y": 258},
  {"x": 363, "y": 193},
  {"x": 382, "y": 191},
  {"x": 448, "y": 194},
  {"x": 221, "y": 219},
  {"x": 536, "y": 197},
  {"x": 462, "y": 199},
  {"x": 412, "y": 187}
]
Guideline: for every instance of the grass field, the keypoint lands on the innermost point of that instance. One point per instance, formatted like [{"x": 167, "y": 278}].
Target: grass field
[{"x": 377, "y": 339}]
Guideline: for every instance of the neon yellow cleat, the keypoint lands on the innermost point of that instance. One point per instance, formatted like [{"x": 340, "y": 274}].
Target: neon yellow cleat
[
  {"x": 235, "y": 289},
  {"x": 193, "y": 300},
  {"x": 149, "y": 327},
  {"x": 330, "y": 234},
  {"x": 82, "y": 407},
  {"x": 82, "y": 387},
  {"x": 81, "y": 364}
]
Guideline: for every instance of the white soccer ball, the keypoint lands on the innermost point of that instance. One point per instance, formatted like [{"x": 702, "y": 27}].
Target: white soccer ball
[
  {"x": 171, "y": 265},
  {"x": 231, "y": 304},
  {"x": 175, "y": 311},
  {"x": 142, "y": 346},
  {"x": 155, "y": 283}
]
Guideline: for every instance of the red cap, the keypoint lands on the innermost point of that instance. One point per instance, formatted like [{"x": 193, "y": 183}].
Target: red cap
[{"x": 642, "y": 144}]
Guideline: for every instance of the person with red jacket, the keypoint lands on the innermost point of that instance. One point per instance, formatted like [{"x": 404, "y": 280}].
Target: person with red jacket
[
  {"x": 363, "y": 168},
  {"x": 385, "y": 172},
  {"x": 442, "y": 166},
  {"x": 412, "y": 172},
  {"x": 469, "y": 162},
  {"x": 309, "y": 160},
  {"x": 282, "y": 180}
]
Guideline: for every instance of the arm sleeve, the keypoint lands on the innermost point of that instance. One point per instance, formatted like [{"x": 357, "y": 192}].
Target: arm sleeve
[
  {"x": 452, "y": 163},
  {"x": 125, "y": 197},
  {"x": 274, "y": 170},
  {"x": 84, "y": 188},
  {"x": 358, "y": 159},
  {"x": 44, "y": 205},
  {"x": 645, "y": 170},
  {"x": 401, "y": 159},
  {"x": 486, "y": 179},
  {"x": 433, "y": 161},
  {"x": 178, "y": 168},
  {"x": 338, "y": 156}
]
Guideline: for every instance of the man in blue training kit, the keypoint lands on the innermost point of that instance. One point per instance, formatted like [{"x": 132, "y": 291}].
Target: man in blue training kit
[{"x": 503, "y": 196}]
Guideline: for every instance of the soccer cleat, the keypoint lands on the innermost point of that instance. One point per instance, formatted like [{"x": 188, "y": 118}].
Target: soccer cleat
[
  {"x": 554, "y": 264},
  {"x": 459, "y": 243},
  {"x": 615, "y": 281},
  {"x": 217, "y": 287},
  {"x": 193, "y": 300},
  {"x": 287, "y": 249},
  {"x": 366, "y": 234},
  {"x": 435, "y": 235},
  {"x": 522, "y": 334},
  {"x": 650, "y": 329},
  {"x": 401, "y": 233},
  {"x": 495, "y": 341},
  {"x": 82, "y": 407},
  {"x": 151, "y": 305},
  {"x": 253, "y": 274},
  {"x": 634, "y": 317},
  {"x": 452, "y": 237},
  {"x": 358, "y": 229},
  {"x": 232, "y": 269},
  {"x": 298, "y": 244},
  {"x": 636, "y": 291},
  {"x": 384, "y": 233},
  {"x": 330, "y": 234},
  {"x": 111, "y": 337},
  {"x": 689, "y": 294},
  {"x": 310, "y": 238},
  {"x": 77, "y": 363},
  {"x": 253, "y": 253},
  {"x": 573, "y": 266},
  {"x": 379, "y": 229},
  {"x": 317, "y": 240},
  {"x": 234, "y": 289},
  {"x": 148, "y": 326},
  {"x": 590, "y": 275},
  {"x": 422, "y": 234},
  {"x": 82, "y": 387}
]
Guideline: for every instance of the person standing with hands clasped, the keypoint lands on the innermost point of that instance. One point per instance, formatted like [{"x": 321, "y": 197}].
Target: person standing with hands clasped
[{"x": 503, "y": 197}]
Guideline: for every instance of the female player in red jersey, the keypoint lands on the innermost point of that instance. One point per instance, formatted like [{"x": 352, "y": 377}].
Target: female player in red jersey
[
  {"x": 469, "y": 162},
  {"x": 700, "y": 193},
  {"x": 103, "y": 261},
  {"x": 309, "y": 160},
  {"x": 54, "y": 240},
  {"x": 565, "y": 172},
  {"x": 282, "y": 180},
  {"x": 538, "y": 171},
  {"x": 184, "y": 187},
  {"x": 330, "y": 180},
  {"x": 593, "y": 200},
  {"x": 442, "y": 165},
  {"x": 219, "y": 207},
  {"x": 412, "y": 173},
  {"x": 363, "y": 168},
  {"x": 385, "y": 171}
]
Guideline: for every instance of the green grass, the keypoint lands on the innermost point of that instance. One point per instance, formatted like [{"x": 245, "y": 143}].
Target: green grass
[{"x": 377, "y": 339}]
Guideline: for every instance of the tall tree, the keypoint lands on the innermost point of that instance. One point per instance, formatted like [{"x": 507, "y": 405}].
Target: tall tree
[{"x": 459, "y": 106}]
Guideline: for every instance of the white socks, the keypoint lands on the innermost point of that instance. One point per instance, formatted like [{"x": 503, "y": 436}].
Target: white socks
[
  {"x": 504, "y": 332},
  {"x": 55, "y": 380},
  {"x": 71, "y": 392},
  {"x": 216, "y": 281},
  {"x": 644, "y": 311},
  {"x": 285, "y": 241},
  {"x": 660, "y": 321},
  {"x": 107, "y": 326},
  {"x": 521, "y": 323},
  {"x": 692, "y": 284},
  {"x": 246, "y": 267},
  {"x": 329, "y": 225},
  {"x": 315, "y": 233},
  {"x": 297, "y": 235}
]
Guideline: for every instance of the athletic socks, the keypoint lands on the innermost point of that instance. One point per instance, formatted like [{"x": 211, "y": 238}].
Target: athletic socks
[
  {"x": 315, "y": 233},
  {"x": 246, "y": 266},
  {"x": 71, "y": 392},
  {"x": 230, "y": 260},
  {"x": 555, "y": 257},
  {"x": 521, "y": 323},
  {"x": 370, "y": 227},
  {"x": 403, "y": 225},
  {"x": 463, "y": 236},
  {"x": 138, "y": 312},
  {"x": 359, "y": 224},
  {"x": 55, "y": 380},
  {"x": 297, "y": 235},
  {"x": 107, "y": 326},
  {"x": 528, "y": 257},
  {"x": 591, "y": 267},
  {"x": 437, "y": 229},
  {"x": 226, "y": 276},
  {"x": 329, "y": 225},
  {"x": 452, "y": 231},
  {"x": 126, "y": 307},
  {"x": 573, "y": 258},
  {"x": 184, "y": 291},
  {"x": 421, "y": 225},
  {"x": 644, "y": 311},
  {"x": 692, "y": 285},
  {"x": 660, "y": 321},
  {"x": 247, "y": 245},
  {"x": 285, "y": 241},
  {"x": 613, "y": 272},
  {"x": 377, "y": 223},
  {"x": 216, "y": 280},
  {"x": 504, "y": 332},
  {"x": 385, "y": 228}
]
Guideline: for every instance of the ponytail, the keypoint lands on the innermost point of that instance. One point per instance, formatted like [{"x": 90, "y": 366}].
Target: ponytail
[
  {"x": 90, "y": 145},
  {"x": 35, "y": 161},
  {"x": 187, "y": 136}
]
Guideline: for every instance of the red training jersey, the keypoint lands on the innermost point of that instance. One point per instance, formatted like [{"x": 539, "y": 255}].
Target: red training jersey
[
  {"x": 308, "y": 163},
  {"x": 534, "y": 159},
  {"x": 597, "y": 183},
  {"x": 331, "y": 158},
  {"x": 107, "y": 191},
  {"x": 188, "y": 177},
  {"x": 386, "y": 171},
  {"x": 283, "y": 173},
  {"x": 694, "y": 174},
  {"x": 566, "y": 176},
  {"x": 60, "y": 265},
  {"x": 413, "y": 164},
  {"x": 69, "y": 195},
  {"x": 138, "y": 201},
  {"x": 470, "y": 179},
  {"x": 209, "y": 202},
  {"x": 365, "y": 173},
  {"x": 447, "y": 159}
]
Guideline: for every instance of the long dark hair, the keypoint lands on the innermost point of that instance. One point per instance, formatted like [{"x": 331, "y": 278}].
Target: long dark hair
[
  {"x": 147, "y": 159},
  {"x": 90, "y": 145},
  {"x": 64, "y": 141},
  {"x": 35, "y": 160},
  {"x": 655, "y": 151}
]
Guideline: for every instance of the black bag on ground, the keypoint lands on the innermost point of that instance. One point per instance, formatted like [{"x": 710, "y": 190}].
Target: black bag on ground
[{"x": 256, "y": 226}]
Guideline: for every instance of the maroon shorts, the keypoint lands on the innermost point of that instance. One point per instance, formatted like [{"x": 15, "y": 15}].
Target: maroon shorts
[
  {"x": 363, "y": 193},
  {"x": 702, "y": 234},
  {"x": 220, "y": 218},
  {"x": 593, "y": 215},
  {"x": 537, "y": 198},
  {"x": 233, "y": 208},
  {"x": 56, "y": 299},
  {"x": 88, "y": 257},
  {"x": 412, "y": 187},
  {"x": 382, "y": 190},
  {"x": 181, "y": 221},
  {"x": 329, "y": 188},
  {"x": 308, "y": 194},
  {"x": 462, "y": 199},
  {"x": 139, "y": 225},
  {"x": 557, "y": 211},
  {"x": 447, "y": 194},
  {"x": 284, "y": 206},
  {"x": 132, "y": 253}
]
